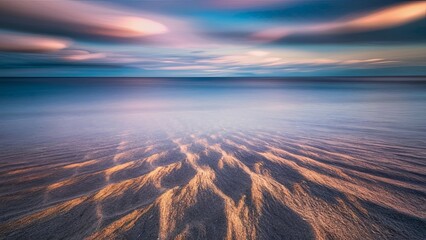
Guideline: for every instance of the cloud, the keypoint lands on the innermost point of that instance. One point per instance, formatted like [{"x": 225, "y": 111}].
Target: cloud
[
  {"x": 189, "y": 67},
  {"x": 386, "y": 18},
  {"x": 54, "y": 64},
  {"x": 201, "y": 38},
  {"x": 82, "y": 55},
  {"x": 312, "y": 11},
  {"x": 242, "y": 4},
  {"x": 289, "y": 60},
  {"x": 78, "y": 19},
  {"x": 29, "y": 43},
  {"x": 258, "y": 53}
]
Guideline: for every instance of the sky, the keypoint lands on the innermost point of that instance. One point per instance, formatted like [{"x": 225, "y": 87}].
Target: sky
[{"x": 212, "y": 38}]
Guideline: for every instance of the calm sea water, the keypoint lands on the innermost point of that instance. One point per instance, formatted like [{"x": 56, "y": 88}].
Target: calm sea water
[{"x": 42, "y": 110}]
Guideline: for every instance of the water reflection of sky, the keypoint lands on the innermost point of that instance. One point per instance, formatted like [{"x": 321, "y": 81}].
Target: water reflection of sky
[{"x": 51, "y": 109}]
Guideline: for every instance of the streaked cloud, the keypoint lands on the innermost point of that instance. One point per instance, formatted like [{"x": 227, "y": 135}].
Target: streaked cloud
[
  {"x": 81, "y": 55},
  {"x": 258, "y": 53},
  {"x": 248, "y": 3},
  {"x": 77, "y": 19},
  {"x": 388, "y": 17},
  {"x": 266, "y": 60},
  {"x": 18, "y": 42},
  {"x": 190, "y": 67},
  {"x": 382, "y": 19},
  {"x": 235, "y": 38}
]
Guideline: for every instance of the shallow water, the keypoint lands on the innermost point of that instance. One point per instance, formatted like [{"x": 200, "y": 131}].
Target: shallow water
[{"x": 213, "y": 158}]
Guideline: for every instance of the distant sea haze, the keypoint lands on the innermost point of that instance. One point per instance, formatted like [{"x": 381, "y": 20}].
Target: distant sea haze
[{"x": 212, "y": 158}]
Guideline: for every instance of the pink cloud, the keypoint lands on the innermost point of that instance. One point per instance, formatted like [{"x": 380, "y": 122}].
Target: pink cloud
[
  {"x": 388, "y": 17},
  {"x": 385, "y": 18},
  {"x": 17, "y": 42},
  {"x": 81, "y": 55},
  {"x": 258, "y": 58},
  {"x": 247, "y": 3},
  {"x": 189, "y": 67},
  {"x": 78, "y": 17}
]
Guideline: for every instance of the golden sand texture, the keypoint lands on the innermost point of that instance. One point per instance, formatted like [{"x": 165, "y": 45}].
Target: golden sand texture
[{"x": 251, "y": 185}]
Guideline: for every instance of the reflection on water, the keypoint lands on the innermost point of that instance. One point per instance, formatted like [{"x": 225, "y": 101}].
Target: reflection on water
[{"x": 212, "y": 158}]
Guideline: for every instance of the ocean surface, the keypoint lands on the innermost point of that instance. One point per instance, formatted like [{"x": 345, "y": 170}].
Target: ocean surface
[{"x": 213, "y": 158}]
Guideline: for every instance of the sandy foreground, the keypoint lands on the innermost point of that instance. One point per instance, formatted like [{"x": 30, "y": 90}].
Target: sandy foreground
[{"x": 233, "y": 185}]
